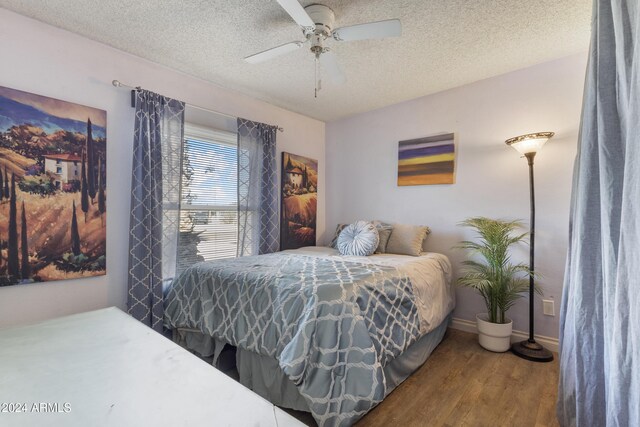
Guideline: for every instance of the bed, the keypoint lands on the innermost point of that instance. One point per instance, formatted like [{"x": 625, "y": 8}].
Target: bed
[{"x": 315, "y": 330}]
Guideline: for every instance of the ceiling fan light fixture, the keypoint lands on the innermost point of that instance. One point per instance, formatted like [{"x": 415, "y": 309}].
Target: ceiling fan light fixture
[{"x": 323, "y": 20}]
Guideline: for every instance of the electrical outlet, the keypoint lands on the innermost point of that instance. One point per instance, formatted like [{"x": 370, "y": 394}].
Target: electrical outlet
[{"x": 548, "y": 307}]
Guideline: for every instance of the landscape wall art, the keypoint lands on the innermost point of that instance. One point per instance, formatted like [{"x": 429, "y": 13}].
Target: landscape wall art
[
  {"x": 429, "y": 160},
  {"x": 299, "y": 201},
  {"x": 53, "y": 189}
]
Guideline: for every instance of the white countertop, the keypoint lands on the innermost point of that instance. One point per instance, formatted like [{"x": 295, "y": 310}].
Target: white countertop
[{"x": 103, "y": 368}]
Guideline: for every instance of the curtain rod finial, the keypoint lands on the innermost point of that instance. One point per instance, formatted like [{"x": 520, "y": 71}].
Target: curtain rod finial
[{"x": 116, "y": 83}]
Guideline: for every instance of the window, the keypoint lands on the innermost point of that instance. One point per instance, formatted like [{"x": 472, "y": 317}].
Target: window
[
  {"x": 59, "y": 169},
  {"x": 209, "y": 200}
]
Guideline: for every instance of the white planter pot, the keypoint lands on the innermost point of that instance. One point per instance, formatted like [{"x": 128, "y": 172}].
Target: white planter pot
[{"x": 494, "y": 336}]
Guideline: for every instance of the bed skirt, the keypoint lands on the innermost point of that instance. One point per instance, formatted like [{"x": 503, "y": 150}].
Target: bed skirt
[{"x": 263, "y": 375}]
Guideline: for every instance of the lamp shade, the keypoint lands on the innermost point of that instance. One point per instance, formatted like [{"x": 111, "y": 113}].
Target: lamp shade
[{"x": 529, "y": 143}]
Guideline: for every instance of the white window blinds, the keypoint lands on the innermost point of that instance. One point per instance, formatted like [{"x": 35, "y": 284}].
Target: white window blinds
[{"x": 209, "y": 196}]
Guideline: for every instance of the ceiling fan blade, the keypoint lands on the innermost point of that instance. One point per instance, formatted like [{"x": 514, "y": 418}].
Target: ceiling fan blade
[
  {"x": 265, "y": 55},
  {"x": 329, "y": 62},
  {"x": 297, "y": 12},
  {"x": 372, "y": 30}
]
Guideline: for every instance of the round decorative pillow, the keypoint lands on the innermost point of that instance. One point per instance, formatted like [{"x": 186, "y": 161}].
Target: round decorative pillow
[{"x": 360, "y": 239}]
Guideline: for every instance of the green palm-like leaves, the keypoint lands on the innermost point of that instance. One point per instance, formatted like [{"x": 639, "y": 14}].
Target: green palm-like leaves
[{"x": 499, "y": 281}]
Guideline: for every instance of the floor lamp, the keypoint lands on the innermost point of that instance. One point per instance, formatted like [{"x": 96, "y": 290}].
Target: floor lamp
[{"x": 528, "y": 145}]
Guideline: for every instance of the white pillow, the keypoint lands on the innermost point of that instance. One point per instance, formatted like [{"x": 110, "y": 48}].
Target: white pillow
[{"x": 360, "y": 239}]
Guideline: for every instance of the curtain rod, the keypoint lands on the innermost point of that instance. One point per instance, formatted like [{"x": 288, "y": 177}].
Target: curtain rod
[{"x": 117, "y": 83}]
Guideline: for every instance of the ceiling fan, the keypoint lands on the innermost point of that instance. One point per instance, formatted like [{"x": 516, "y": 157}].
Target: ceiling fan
[{"x": 317, "y": 23}]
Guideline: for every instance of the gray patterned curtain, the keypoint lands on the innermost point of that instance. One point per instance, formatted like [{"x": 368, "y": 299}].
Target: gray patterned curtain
[
  {"x": 258, "y": 222},
  {"x": 155, "y": 203},
  {"x": 600, "y": 315}
]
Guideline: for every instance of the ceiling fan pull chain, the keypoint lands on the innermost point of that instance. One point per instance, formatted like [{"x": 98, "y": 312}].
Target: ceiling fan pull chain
[{"x": 316, "y": 65}]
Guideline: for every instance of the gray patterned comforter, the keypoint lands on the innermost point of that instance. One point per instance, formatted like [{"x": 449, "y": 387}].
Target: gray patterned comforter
[{"x": 331, "y": 324}]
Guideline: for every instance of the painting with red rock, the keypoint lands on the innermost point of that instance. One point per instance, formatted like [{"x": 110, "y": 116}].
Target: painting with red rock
[
  {"x": 53, "y": 189},
  {"x": 299, "y": 201}
]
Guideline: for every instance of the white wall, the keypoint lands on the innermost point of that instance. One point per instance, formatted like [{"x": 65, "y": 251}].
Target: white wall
[
  {"x": 48, "y": 61},
  {"x": 491, "y": 178}
]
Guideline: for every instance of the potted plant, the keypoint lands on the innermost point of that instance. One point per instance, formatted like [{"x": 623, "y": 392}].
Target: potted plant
[{"x": 495, "y": 277}]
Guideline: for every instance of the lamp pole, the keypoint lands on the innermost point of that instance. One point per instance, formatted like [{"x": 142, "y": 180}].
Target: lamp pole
[
  {"x": 529, "y": 349},
  {"x": 532, "y": 243}
]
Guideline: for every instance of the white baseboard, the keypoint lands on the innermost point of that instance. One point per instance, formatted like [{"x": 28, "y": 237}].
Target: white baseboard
[{"x": 470, "y": 326}]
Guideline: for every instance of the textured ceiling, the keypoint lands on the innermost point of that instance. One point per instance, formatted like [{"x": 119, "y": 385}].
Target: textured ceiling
[{"x": 445, "y": 43}]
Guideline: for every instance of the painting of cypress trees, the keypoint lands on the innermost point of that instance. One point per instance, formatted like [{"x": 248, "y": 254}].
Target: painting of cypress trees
[{"x": 52, "y": 166}]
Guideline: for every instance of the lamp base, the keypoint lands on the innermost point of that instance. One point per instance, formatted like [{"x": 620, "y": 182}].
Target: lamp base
[{"x": 531, "y": 350}]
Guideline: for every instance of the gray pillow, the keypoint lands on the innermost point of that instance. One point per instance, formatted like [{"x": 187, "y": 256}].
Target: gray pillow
[
  {"x": 334, "y": 241},
  {"x": 407, "y": 239},
  {"x": 360, "y": 239},
  {"x": 384, "y": 232},
  {"x": 424, "y": 242}
]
